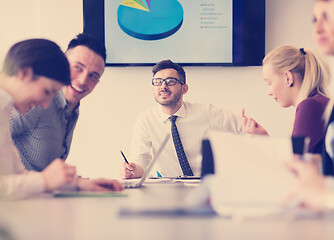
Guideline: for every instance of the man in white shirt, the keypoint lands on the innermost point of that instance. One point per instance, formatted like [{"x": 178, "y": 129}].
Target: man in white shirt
[{"x": 193, "y": 122}]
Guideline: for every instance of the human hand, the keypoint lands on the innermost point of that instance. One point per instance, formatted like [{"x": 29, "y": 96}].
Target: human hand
[
  {"x": 309, "y": 191},
  {"x": 315, "y": 159},
  {"x": 131, "y": 170},
  {"x": 57, "y": 174},
  {"x": 249, "y": 125},
  {"x": 100, "y": 184}
]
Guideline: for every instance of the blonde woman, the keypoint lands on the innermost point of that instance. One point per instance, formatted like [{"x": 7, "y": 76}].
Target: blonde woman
[{"x": 297, "y": 77}]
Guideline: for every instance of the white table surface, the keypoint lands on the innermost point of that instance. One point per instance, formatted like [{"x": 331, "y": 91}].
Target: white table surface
[{"x": 46, "y": 217}]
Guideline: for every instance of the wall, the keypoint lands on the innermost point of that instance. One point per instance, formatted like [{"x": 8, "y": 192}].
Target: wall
[{"x": 107, "y": 115}]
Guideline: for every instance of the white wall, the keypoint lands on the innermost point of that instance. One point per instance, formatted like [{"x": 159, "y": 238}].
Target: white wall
[{"x": 107, "y": 115}]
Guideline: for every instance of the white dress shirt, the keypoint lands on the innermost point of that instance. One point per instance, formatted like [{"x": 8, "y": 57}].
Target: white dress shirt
[
  {"x": 15, "y": 181},
  {"x": 193, "y": 123}
]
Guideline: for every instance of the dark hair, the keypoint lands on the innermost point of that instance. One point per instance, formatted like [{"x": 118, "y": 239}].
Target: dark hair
[
  {"x": 164, "y": 64},
  {"x": 43, "y": 56},
  {"x": 86, "y": 40}
]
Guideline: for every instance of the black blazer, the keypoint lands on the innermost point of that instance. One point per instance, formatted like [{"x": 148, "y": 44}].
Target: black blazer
[{"x": 327, "y": 162}]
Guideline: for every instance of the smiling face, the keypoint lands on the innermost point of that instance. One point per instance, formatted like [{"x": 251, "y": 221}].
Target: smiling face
[
  {"x": 169, "y": 96},
  {"x": 86, "y": 69},
  {"x": 35, "y": 92},
  {"x": 323, "y": 30},
  {"x": 277, "y": 86}
]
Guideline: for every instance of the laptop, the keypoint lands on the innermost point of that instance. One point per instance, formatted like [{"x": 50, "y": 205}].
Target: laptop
[
  {"x": 250, "y": 176},
  {"x": 137, "y": 183}
]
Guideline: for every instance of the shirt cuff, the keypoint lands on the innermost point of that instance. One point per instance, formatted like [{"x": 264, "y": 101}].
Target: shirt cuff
[{"x": 71, "y": 186}]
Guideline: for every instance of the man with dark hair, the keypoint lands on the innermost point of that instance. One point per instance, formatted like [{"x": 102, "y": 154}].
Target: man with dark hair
[
  {"x": 187, "y": 122},
  {"x": 34, "y": 71},
  {"x": 42, "y": 135},
  {"x": 90, "y": 42}
]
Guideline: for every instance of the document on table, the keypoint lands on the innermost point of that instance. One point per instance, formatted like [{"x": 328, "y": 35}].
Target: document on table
[
  {"x": 88, "y": 194},
  {"x": 189, "y": 182},
  {"x": 149, "y": 180},
  {"x": 158, "y": 180},
  {"x": 250, "y": 175},
  {"x": 168, "y": 212}
]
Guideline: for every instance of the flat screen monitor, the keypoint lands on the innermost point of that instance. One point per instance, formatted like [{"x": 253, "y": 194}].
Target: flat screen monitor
[{"x": 189, "y": 32}]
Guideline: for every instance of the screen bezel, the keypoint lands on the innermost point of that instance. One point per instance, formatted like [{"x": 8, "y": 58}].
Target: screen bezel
[{"x": 248, "y": 32}]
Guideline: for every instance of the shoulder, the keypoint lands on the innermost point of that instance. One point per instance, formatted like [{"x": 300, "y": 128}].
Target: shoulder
[
  {"x": 147, "y": 120},
  {"x": 196, "y": 106},
  {"x": 206, "y": 108},
  {"x": 149, "y": 112},
  {"x": 312, "y": 107},
  {"x": 149, "y": 116},
  {"x": 59, "y": 100},
  {"x": 32, "y": 115},
  {"x": 314, "y": 102}
]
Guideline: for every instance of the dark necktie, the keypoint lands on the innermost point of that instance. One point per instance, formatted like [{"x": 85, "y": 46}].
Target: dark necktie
[{"x": 186, "y": 169}]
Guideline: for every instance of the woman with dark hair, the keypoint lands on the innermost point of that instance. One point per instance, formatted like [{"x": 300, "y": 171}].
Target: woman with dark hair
[{"x": 34, "y": 71}]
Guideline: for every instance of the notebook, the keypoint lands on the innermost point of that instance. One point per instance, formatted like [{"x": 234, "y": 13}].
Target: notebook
[{"x": 137, "y": 183}]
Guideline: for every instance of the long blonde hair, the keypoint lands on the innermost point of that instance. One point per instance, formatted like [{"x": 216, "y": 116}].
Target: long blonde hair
[{"x": 312, "y": 69}]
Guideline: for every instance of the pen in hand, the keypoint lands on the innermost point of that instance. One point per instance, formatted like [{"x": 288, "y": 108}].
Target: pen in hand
[{"x": 127, "y": 162}]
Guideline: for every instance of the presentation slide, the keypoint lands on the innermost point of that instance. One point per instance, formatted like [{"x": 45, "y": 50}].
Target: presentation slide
[{"x": 185, "y": 31}]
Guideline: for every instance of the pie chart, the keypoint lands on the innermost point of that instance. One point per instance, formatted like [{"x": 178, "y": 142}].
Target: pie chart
[{"x": 150, "y": 19}]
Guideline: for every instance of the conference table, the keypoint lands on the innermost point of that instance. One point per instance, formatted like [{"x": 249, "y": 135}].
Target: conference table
[{"x": 148, "y": 213}]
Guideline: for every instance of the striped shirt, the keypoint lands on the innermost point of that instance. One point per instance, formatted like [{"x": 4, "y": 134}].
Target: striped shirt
[{"x": 41, "y": 135}]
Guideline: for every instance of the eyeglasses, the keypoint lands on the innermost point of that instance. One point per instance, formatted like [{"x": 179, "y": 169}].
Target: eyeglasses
[{"x": 170, "y": 81}]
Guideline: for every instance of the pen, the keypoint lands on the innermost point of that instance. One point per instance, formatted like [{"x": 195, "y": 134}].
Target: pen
[
  {"x": 126, "y": 161},
  {"x": 124, "y": 157}
]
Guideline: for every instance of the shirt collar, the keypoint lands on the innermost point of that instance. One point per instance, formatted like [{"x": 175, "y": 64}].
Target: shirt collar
[
  {"x": 181, "y": 113},
  {"x": 61, "y": 102}
]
